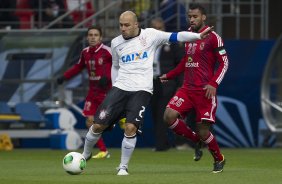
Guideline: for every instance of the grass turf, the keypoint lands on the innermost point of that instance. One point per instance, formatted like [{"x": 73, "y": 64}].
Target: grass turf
[{"x": 44, "y": 166}]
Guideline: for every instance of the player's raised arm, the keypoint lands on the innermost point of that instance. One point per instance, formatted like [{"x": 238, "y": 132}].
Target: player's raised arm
[
  {"x": 206, "y": 32},
  {"x": 185, "y": 36}
]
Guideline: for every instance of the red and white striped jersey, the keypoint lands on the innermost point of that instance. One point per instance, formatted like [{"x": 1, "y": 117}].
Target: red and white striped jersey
[{"x": 205, "y": 62}]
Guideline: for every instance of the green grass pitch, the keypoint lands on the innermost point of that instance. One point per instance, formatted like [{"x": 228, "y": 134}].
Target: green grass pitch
[{"x": 44, "y": 166}]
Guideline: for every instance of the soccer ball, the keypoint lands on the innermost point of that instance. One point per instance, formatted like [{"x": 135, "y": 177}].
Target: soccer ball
[{"x": 74, "y": 163}]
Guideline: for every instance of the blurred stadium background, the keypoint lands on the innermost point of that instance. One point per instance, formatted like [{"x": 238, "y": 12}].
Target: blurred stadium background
[{"x": 37, "y": 113}]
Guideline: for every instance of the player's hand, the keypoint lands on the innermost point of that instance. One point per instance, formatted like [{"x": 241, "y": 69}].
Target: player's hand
[
  {"x": 103, "y": 82},
  {"x": 163, "y": 78},
  {"x": 60, "y": 80},
  {"x": 210, "y": 91},
  {"x": 206, "y": 32}
]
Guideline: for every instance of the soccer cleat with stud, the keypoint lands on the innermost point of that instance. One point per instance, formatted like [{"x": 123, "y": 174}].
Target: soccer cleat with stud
[
  {"x": 198, "y": 152},
  {"x": 102, "y": 154},
  {"x": 218, "y": 166}
]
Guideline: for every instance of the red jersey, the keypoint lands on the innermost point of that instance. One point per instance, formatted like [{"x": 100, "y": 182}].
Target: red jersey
[
  {"x": 199, "y": 63},
  {"x": 98, "y": 61}
]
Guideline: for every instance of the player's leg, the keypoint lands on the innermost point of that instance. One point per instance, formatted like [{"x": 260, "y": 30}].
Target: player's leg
[
  {"x": 198, "y": 153},
  {"x": 127, "y": 147},
  {"x": 178, "y": 126},
  {"x": 93, "y": 135},
  {"x": 106, "y": 114},
  {"x": 135, "y": 110},
  {"x": 177, "y": 107},
  {"x": 90, "y": 106},
  {"x": 103, "y": 152},
  {"x": 206, "y": 111},
  {"x": 210, "y": 140}
]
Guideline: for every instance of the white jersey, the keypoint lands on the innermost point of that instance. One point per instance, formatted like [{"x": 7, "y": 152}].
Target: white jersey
[{"x": 135, "y": 59}]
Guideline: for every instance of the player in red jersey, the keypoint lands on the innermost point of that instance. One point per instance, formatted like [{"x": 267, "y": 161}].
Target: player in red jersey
[
  {"x": 97, "y": 59},
  {"x": 201, "y": 78}
]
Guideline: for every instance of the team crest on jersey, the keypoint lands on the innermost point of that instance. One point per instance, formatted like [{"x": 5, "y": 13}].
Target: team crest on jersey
[
  {"x": 103, "y": 114},
  {"x": 202, "y": 45},
  {"x": 143, "y": 41},
  {"x": 100, "y": 61},
  {"x": 190, "y": 59}
]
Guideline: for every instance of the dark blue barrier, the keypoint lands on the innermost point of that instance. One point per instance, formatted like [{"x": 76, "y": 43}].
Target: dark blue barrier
[{"x": 239, "y": 116}]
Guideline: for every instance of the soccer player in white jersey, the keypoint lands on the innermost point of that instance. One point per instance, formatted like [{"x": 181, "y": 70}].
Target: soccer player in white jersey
[{"x": 132, "y": 76}]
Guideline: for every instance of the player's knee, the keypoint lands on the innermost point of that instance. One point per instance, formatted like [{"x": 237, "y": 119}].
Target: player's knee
[
  {"x": 89, "y": 122},
  {"x": 203, "y": 130},
  {"x": 203, "y": 134},
  {"x": 170, "y": 116},
  {"x": 98, "y": 128},
  {"x": 130, "y": 129}
]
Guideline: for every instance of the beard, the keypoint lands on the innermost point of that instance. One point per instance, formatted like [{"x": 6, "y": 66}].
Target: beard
[{"x": 196, "y": 28}]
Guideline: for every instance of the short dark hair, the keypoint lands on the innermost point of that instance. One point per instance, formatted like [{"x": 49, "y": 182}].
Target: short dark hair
[
  {"x": 97, "y": 28},
  {"x": 194, "y": 6}
]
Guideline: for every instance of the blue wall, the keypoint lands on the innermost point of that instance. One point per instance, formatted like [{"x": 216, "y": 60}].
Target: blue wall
[{"x": 239, "y": 112}]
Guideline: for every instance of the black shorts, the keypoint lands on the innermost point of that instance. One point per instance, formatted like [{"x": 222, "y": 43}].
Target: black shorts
[{"x": 119, "y": 103}]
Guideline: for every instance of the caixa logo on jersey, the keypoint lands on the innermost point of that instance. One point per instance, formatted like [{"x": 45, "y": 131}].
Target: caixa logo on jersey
[{"x": 134, "y": 57}]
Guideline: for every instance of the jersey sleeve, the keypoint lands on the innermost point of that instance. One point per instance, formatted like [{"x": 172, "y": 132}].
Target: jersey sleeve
[
  {"x": 75, "y": 69},
  {"x": 115, "y": 63},
  {"x": 160, "y": 37},
  {"x": 177, "y": 70},
  {"x": 222, "y": 59}
]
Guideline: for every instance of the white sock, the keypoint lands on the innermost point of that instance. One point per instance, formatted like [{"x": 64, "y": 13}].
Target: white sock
[
  {"x": 91, "y": 139},
  {"x": 127, "y": 148}
]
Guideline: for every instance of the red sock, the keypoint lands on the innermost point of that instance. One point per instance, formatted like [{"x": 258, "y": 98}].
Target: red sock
[
  {"x": 101, "y": 145},
  {"x": 213, "y": 147},
  {"x": 180, "y": 128}
]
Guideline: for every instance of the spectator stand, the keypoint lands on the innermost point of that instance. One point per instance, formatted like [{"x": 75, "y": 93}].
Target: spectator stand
[
  {"x": 80, "y": 10},
  {"x": 25, "y": 14}
]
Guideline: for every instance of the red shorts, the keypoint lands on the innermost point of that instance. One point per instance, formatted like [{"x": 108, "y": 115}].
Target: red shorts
[
  {"x": 185, "y": 100},
  {"x": 91, "y": 104}
]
